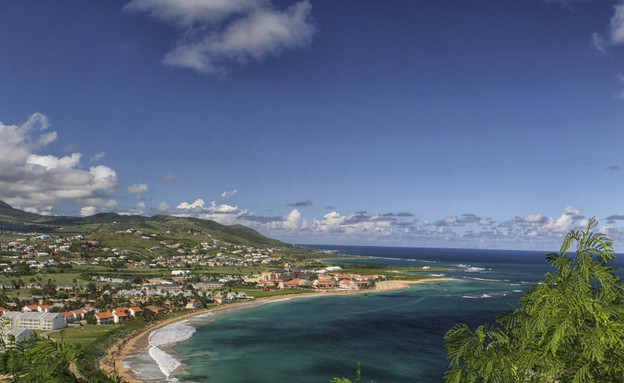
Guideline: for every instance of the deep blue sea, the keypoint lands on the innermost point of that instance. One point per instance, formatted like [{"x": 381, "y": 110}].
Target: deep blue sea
[{"x": 397, "y": 336}]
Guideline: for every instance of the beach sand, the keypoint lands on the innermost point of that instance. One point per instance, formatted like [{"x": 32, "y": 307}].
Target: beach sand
[{"x": 139, "y": 340}]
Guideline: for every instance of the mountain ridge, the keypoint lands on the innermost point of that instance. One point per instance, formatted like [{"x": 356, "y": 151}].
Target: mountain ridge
[{"x": 12, "y": 219}]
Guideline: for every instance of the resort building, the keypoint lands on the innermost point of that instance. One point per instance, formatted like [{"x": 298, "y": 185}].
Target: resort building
[
  {"x": 16, "y": 335},
  {"x": 36, "y": 320},
  {"x": 104, "y": 318}
]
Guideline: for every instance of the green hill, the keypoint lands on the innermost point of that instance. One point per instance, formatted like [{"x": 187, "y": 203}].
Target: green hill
[{"x": 17, "y": 220}]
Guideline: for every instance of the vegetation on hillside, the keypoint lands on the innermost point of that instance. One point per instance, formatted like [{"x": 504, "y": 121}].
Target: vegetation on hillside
[{"x": 16, "y": 220}]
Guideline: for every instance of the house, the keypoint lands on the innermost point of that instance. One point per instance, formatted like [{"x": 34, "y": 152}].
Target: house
[
  {"x": 289, "y": 284},
  {"x": 156, "y": 309},
  {"x": 193, "y": 305},
  {"x": 69, "y": 316},
  {"x": 80, "y": 313},
  {"x": 104, "y": 318},
  {"x": 119, "y": 315},
  {"x": 322, "y": 284},
  {"x": 44, "y": 308},
  {"x": 232, "y": 296},
  {"x": 219, "y": 299},
  {"x": 38, "y": 308},
  {"x": 135, "y": 310},
  {"x": 347, "y": 284}
]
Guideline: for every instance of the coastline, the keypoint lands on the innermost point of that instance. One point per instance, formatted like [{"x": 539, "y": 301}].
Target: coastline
[{"x": 138, "y": 340}]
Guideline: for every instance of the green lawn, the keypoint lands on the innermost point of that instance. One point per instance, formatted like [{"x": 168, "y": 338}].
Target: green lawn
[{"x": 83, "y": 334}]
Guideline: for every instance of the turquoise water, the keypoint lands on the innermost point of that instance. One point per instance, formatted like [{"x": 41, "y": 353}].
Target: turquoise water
[{"x": 397, "y": 336}]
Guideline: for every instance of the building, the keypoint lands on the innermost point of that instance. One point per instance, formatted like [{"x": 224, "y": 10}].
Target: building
[
  {"x": 36, "y": 320},
  {"x": 16, "y": 335},
  {"x": 104, "y": 318}
]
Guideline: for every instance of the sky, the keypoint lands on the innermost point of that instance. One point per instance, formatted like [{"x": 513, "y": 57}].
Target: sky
[{"x": 474, "y": 123}]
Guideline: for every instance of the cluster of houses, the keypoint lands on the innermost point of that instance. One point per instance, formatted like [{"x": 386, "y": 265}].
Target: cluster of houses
[
  {"x": 291, "y": 277},
  {"x": 346, "y": 281},
  {"x": 40, "y": 251}
]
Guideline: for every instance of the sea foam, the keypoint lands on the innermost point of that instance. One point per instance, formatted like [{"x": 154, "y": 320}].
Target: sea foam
[{"x": 167, "y": 335}]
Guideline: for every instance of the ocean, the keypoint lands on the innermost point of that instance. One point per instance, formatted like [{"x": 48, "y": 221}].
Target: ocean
[{"x": 397, "y": 336}]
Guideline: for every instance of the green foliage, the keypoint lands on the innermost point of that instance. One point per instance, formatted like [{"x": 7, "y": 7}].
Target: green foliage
[
  {"x": 569, "y": 328},
  {"x": 39, "y": 360},
  {"x": 358, "y": 376}
]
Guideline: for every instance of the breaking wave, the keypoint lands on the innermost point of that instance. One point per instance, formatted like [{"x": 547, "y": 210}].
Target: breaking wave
[{"x": 167, "y": 335}]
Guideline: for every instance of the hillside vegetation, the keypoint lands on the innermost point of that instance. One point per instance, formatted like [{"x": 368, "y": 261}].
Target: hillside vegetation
[{"x": 100, "y": 224}]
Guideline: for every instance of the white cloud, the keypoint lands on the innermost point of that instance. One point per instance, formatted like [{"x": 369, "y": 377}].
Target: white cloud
[
  {"x": 599, "y": 42},
  {"x": 535, "y": 217},
  {"x": 229, "y": 193},
  {"x": 534, "y": 230},
  {"x": 198, "y": 203},
  {"x": 137, "y": 188},
  {"x": 97, "y": 156},
  {"x": 615, "y": 32},
  {"x": 218, "y": 33},
  {"x": 36, "y": 181},
  {"x": 19, "y": 141},
  {"x": 292, "y": 219},
  {"x": 189, "y": 13},
  {"x": 88, "y": 210},
  {"x": 51, "y": 162},
  {"x": 616, "y": 25}
]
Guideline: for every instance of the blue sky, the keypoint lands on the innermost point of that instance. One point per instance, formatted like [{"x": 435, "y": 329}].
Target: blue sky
[{"x": 490, "y": 123}]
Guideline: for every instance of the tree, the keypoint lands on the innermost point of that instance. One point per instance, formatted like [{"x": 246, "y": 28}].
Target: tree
[
  {"x": 358, "y": 376},
  {"x": 90, "y": 318},
  {"x": 568, "y": 328}
]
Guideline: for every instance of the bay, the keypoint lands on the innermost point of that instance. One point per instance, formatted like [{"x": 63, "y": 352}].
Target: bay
[{"x": 397, "y": 336}]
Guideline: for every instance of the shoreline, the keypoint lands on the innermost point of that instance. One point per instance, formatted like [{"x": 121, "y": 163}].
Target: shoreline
[{"x": 138, "y": 340}]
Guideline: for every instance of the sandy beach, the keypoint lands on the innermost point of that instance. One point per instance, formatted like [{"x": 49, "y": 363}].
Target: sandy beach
[{"x": 139, "y": 339}]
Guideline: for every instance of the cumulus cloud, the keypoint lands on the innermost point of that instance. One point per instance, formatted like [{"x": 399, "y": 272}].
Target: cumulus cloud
[
  {"x": 19, "y": 141},
  {"x": 230, "y": 215},
  {"x": 88, "y": 211},
  {"x": 216, "y": 33},
  {"x": 37, "y": 182},
  {"x": 535, "y": 230},
  {"x": 198, "y": 203},
  {"x": 292, "y": 219},
  {"x": 137, "y": 188}
]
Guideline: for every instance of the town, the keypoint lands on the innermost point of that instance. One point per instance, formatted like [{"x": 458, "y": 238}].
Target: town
[{"x": 50, "y": 282}]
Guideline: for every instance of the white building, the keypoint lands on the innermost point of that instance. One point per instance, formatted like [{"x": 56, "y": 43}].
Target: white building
[
  {"x": 36, "y": 320},
  {"x": 16, "y": 335}
]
